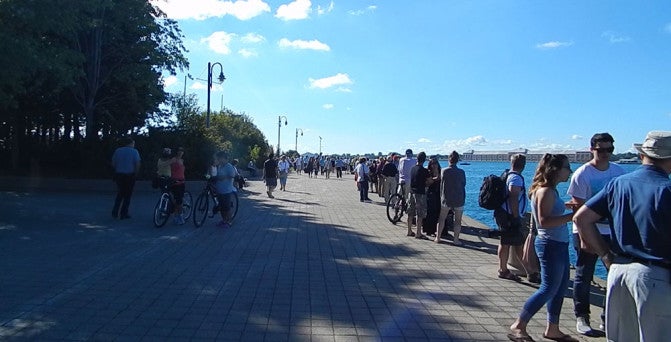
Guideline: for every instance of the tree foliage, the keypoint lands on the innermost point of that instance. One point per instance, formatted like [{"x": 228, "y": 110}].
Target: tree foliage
[{"x": 81, "y": 69}]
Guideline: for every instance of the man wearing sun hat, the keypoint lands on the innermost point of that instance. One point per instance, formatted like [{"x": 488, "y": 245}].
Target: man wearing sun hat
[{"x": 638, "y": 206}]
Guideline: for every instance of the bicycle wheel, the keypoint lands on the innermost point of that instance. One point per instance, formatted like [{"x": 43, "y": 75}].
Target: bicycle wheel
[
  {"x": 200, "y": 209},
  {"x": 161, "y": 213},
  {"x": 187, "y": 205},
  {"x": 395, "y": 208},
  {"x": 234, "y": 206}
]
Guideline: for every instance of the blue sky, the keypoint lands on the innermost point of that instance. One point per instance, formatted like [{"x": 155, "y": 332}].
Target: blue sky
[{"x": 435, "y": 76}]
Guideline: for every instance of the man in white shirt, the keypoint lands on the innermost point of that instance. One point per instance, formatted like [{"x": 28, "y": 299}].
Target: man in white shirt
[{"x": 586, "y": 182}]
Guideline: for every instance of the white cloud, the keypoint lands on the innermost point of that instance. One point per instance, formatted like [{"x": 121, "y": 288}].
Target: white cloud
[
  {"x": 299, "y": 9},
  {"x": 423, "y": 140},
  {"x": 328, "y": 106},
  {"x": 203, "y": 9},
  {"x": 553, "y": 45},
  {"x": 576, "y": 137},
  {"x": 322, "y": 11},
  {"x": 303, "y": 44},
  {"x": 252, "y": 38},
  {"x": 203, "y": 85},
  {"x": 198, "y": 86},
  {"x": 359, "y": 12},
  {"x": 219, "y": 42},
  {"x": 247, "y": 53},
  {"x": 344, "y": 90},
  {"x": 614, "y": 37},
  {"x": 329, "y": 82},
  {"x": 170, "y": 80}
]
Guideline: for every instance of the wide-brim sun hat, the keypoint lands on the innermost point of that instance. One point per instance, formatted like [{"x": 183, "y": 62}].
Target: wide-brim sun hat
[{"x": 657, "y": 145}]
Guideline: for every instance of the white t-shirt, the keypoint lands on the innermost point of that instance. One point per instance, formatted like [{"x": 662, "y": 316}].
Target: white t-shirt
[
  {"x": 587, "y": 181},
  {"x": 516, "y": 180},
  {"x": 361, "y": 169},
  {"x": 405, "y": 164},
  {"x": 283, "y": 166}
]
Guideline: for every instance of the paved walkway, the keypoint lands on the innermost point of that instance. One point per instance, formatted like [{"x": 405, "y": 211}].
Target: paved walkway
[{"x": 313, "y": 264}]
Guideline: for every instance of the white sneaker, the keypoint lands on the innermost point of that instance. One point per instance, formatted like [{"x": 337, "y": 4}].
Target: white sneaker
[{"x": 582, "y": 325}]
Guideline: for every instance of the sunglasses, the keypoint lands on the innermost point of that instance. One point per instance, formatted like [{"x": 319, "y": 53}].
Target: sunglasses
[{"x": 604, "y": 149}]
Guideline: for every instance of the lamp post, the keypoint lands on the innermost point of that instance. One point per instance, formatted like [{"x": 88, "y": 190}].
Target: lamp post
[
  {"x": 298, "y": 129},
  {"x": 279, "y": 125},
  {"x": 221, "y": 78},
  {"x": 320, "y": 145}
]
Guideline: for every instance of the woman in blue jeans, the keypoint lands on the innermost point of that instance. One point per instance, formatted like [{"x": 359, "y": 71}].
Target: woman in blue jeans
[{"x": 551, "y": 246}]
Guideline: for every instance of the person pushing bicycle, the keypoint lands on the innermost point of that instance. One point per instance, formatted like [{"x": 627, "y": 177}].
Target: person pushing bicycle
[
  {"x": 170, "y": 170},
  {"x": 223, "y": 184}
]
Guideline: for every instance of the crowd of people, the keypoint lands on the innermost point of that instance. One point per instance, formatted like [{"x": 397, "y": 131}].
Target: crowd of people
[{"x": 622, "y": 219}]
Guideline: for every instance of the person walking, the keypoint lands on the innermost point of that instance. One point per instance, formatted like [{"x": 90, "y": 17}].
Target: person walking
[
  {"x": 586, "y": 182},
  {"x": 552, "y": 243},
  {"x": 270, "y": 174},
  {"x": 126, "y": 164},
  {"x": 638, "y": 208},
  {"x": 452, "y": 196},
  {"x": 283, "y": 168}
]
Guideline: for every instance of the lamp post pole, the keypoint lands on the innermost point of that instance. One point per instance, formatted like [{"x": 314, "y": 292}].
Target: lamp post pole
[
  {"x": 320, "y": 145},
  {"x": 279, "y": 125},
  {"x": 298, "y": 129},
  {"x": 221, "y": 78}
]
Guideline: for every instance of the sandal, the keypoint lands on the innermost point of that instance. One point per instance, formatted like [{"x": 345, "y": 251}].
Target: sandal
[
  {"x": 410, "y": 234},
  {"x": 509, "y": 276},
  {"x": 534, "y": 278},
  {"x": 519, "y": 337},
  {"x": 564, "y": 338}
]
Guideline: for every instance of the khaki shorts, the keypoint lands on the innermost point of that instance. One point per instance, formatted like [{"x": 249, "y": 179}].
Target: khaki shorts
[{"x": 417, "y": 205}]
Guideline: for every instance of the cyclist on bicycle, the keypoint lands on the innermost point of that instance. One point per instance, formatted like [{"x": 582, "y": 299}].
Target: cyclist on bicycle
[
  {"x": 223, "y": 184},
  {"x": 170, "y": 170}
]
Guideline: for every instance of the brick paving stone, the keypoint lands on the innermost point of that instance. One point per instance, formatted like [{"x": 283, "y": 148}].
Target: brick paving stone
[{"x": 312, "y": 264}]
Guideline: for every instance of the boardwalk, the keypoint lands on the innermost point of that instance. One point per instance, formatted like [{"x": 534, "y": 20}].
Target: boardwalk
[{"x": 313, "y": 264}]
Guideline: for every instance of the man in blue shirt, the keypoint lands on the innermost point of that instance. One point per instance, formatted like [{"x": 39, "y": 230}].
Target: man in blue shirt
[
  {"x": 638, "y": 207},
  {"x": 126, "y": 164}
]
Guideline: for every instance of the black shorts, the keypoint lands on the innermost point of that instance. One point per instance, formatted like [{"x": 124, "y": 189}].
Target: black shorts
[
  {"x": 178, "y": 192},
  {"x": 224, "y": 202},
  {"x": 510, "y": 228}
]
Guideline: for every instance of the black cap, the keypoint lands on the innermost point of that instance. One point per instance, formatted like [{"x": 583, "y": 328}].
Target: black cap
[{"x": 408, "y": 152}]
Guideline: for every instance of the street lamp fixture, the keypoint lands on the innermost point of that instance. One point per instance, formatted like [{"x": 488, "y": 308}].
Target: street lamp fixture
[
  {"x": 221, "y": 79},
  {"x": 279, "y": 125},
  {"x": 298, "y": 129}
]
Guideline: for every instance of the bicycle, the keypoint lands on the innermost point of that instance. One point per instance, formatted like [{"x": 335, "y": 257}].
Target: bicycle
[
  {"x": 397, "y": 206},
  {"x": 201, "y": 209},
  {"x": 166, "y": 204}
]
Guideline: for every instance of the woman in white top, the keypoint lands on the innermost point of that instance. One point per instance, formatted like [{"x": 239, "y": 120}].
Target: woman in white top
[{"x": 283, "y": 167}]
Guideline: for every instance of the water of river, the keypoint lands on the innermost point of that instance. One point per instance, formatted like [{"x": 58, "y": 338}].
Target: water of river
[{"x": 476, "y": 171}]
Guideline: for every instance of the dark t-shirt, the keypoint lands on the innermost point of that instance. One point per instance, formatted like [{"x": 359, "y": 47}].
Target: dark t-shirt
[
  {"x": 389, "y": 170},
  {"x": 418, "y": 176},
  {"x": 270, "y": 168}
]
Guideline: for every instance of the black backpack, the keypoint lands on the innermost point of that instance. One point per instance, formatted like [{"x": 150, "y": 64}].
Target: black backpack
[{"x": 493, "y": 191}]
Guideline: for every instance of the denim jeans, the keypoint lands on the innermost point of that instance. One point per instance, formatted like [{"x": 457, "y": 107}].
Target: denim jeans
[
  {"x": 553, "y": 257},
  {"x": 637, "y": 303},
  {"x": 584, "y": 273}
]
